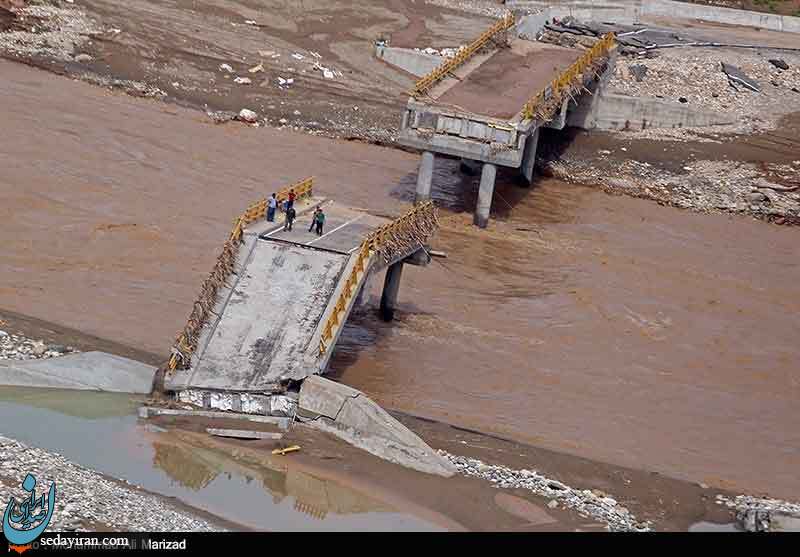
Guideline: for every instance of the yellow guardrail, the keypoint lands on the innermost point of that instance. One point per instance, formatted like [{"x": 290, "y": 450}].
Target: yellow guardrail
[
  {"x": 424, "y": 84},
  {"x": 369, "y": 248},
  {"x": 565, "y": 80},
  {"x": 224, "y": 265}
]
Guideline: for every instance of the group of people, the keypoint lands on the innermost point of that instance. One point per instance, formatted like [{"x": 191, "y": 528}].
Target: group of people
[{"x": 317, "y": 220}]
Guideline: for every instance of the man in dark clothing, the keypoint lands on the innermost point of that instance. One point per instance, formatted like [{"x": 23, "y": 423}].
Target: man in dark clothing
[
  {"x": 313, "y": 219},
  {"x": 290, "y": 214},
  {"x": 320, "y": 220},
  {"x": 291, "y": 198}
]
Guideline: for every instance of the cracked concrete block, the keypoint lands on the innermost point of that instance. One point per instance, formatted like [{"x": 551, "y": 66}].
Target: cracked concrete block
[{"x": 353, "y": 417}]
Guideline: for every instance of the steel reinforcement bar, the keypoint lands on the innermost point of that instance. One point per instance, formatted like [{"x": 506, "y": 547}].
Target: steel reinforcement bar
[
  {"x": 553, "y": 94},
  {"x": 186, "y": 343},
  {"x": 388, "y": 242},
  {"x": 423, "y": 85}
]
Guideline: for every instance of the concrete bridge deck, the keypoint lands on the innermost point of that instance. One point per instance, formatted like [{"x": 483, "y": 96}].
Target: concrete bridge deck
[
  {"x": 501, "y": 85},
  {"x": 285, "y": 300}
]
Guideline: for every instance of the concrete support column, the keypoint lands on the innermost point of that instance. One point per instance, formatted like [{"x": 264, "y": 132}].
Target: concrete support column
[
  {"x": 485, "y": 194},
  {"x": 529, "y": 156},
  {"x": 391, "y": 287},
  {"x": 424, "y": 178}
]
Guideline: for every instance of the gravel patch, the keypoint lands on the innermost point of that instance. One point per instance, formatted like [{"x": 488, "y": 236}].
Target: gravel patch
[
  {"x": 695, "y": 75},
  {"x": 762, "y": 515},
  {"x": 478, "y": 7},
  {"x": 84, "y": 497},
  {"x": 18, "y": 347},
  {"x": 48, "y": 30},
  {"x": 770, "y": 192},
  {"x": 588, "y": 503}
]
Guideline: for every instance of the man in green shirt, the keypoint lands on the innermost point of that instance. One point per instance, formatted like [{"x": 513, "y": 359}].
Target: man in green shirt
[{"x": 320, "y": 220}]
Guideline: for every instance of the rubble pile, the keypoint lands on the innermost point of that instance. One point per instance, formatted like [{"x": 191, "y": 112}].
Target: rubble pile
[
  {"x": 763, "y": 515},
  {"x": 588, "y": 503},
  {"x": 487, "y": 8},
  {"x": 755, "y": 91},
  {"x": 443, "y": 52},
  {"x": 48, "y": 30},
  {"x": 771, "y": 193},
  {"x": 18, "y": 347}
]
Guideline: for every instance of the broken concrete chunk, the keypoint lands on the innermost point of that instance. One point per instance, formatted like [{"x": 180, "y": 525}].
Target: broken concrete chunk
[
  {"x": 638, "y": 71},
  {"x": 244, "y": 434},
  {"x": 779, "y": 63},
  {"x": 256, "y": 69},
  {"x": 737, "y": 77},
  {"x": 243, "y": 80},
  {"x": 83, "y": 58},
  {"x": 247, "y": 115},
  {"x": 226, "y": 68},
  {"x": 353, "y": 417}
]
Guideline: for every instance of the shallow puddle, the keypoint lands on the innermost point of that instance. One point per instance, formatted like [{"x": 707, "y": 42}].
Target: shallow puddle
[{"x": 100, "y": 431}]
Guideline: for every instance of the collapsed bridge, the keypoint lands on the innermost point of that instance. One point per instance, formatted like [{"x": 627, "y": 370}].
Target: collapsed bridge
[
  {"x": 488, "y": 103},
  {"x": 272, "y": 309}
]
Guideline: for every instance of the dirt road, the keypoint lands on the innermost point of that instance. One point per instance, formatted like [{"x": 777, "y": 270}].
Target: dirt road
[{"x": 603, "y": 326}]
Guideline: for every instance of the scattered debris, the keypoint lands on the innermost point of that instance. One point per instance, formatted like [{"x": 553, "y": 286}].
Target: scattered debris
[
  {"x": 243, "y": 81},
  {"x": 736, "y": 75},
  {"x": 287, "y": 450},
  {"x": 298, "y": 56},
  {"x": 638, "y": 71},
  {"x": 226, "y": 68},
  {"x": 250, "y": 22},
  {"x": 586, "y": 502},
  {"x": 763, "y": 515},
  {"x": 256, "y": 69},
  {"x": 83, "y": 58},
  {"x": 19, "y": 347},
  {"x": 779, "y": 63},
  {"x": 246, "y": 115}
]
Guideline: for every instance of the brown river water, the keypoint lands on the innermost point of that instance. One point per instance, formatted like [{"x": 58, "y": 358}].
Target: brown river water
[{"x": 606, "y": 327}]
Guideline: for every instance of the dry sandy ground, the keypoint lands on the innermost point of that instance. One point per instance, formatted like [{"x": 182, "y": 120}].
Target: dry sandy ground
[
  {"x": 602, "y": 326},
  {"x": 178, "y": 47}
]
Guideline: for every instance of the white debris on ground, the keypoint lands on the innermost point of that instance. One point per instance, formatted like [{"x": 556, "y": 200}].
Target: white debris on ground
[
  {"x": 770, "y": 192},
  {"x": 18, "y": 347},
  {"x": 444, "y": 52},
  {"x": 84, "y": 497},
  {"x": 588, "y": 503},
  {"x": 480, "y": 7},
  {"x": 695, "y": 75},
  {"x": 763, "y": 515},
  {"x": 49, "y": 30}
]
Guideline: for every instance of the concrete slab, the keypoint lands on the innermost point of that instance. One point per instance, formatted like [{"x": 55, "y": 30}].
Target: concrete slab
[
  {"x": 269, "y": 319},
  {"x": 353, "y": 417},
  {"x": 90, "y": 371},
  {"x": 345, "y": 229},
  {"x": 501, "y": 86},
  {"x": 147, "y": 411},
  {"x": 244, "y": 434}
]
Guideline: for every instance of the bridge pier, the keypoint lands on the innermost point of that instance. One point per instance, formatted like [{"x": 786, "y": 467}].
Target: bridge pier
[
  {"x": 529, "y": 156},
  {"x": 424, "y": 177},
  {"x": 391, "y": 287},
  {"x": 485, "y": 193}
]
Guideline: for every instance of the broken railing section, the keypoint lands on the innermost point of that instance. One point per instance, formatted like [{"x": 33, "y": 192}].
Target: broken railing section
[
  {"x": 391, "y": 241},
  {"x": 548, "y": 101},
  {"x": 186, "y": 343},
  {"x": 423, "y": 85}
]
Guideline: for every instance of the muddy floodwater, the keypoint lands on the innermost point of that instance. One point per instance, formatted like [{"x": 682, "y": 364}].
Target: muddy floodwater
[
  {"x": 100, "y": 431},
  {"x": 607, "y": 327}
]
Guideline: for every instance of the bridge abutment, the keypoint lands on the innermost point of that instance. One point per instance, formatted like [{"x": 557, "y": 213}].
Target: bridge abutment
[
  {"x": 485, "y": 194},
  {"x": 391, "y": 288}
]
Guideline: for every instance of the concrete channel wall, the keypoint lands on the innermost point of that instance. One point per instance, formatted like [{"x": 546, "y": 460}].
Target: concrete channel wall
[
  {"x": 633, "y": 11},
  {"x": 409, "y": 60}
]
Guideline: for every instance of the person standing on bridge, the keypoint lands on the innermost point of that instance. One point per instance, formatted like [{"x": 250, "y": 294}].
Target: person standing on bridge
[
  {"x": 290, "y": 214},
  {"x": 292, "y": 195},
  {"x": 272, "y": 206},
  {"x": 314, "y": 219},
  {"x": 320, "y": 220}
]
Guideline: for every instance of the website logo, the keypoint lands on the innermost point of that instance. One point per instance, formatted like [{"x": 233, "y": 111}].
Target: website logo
[{"x": 24, "y": 521}]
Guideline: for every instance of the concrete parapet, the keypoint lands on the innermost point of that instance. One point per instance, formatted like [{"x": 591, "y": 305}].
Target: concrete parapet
[
  {"x": 350, "y": 415},
  {"x": 408, "y": 60}
]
